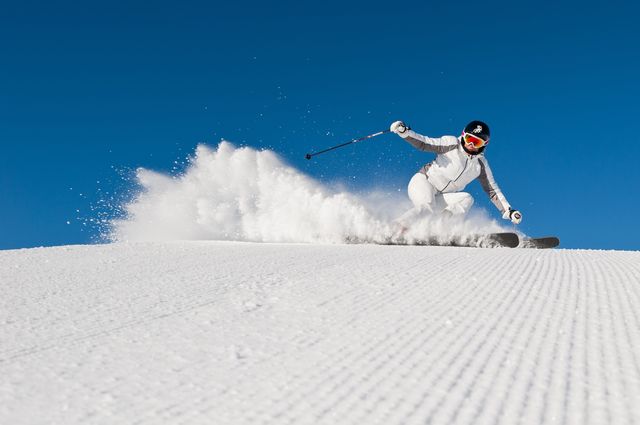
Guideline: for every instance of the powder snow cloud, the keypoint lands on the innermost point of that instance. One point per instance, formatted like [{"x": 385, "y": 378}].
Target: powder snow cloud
[{"x": 244, "y": 194}]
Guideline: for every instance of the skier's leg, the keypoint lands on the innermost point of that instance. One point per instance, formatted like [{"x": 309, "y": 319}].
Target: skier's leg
[
  {"x": 422, "y": 194},
  {"x": 457, "y": 203}
]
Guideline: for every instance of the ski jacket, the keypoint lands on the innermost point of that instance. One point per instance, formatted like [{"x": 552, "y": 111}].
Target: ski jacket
[{"x": 454, "y": 168}]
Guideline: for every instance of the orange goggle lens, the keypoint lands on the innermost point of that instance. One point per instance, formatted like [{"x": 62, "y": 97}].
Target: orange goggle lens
[{"x": 474, "y": 140}]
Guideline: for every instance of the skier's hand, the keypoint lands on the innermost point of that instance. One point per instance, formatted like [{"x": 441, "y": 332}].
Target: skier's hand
[
  {"x": 399, "y": 127},
  {"x": 514, "y": 215}
]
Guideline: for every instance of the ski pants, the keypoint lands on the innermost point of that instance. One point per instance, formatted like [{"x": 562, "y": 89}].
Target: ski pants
[{"x": 426, "y": 198}]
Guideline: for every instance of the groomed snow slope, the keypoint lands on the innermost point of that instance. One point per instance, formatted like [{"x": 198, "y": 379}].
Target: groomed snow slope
[{"x": 247, "y": 333}]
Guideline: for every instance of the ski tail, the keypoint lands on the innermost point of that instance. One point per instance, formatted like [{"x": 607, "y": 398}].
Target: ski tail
[
  {"x": 541, "y": 243},
  {"x": 506, "y": 239}
]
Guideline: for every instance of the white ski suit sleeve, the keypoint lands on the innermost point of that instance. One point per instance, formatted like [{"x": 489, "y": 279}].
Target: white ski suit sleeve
[
  {"x": 490, "y": 186},
  {"x": 429, "y": 144}
]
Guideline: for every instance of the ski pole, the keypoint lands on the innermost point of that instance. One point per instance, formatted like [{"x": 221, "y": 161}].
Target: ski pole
[{"x": 309, "y": 155}]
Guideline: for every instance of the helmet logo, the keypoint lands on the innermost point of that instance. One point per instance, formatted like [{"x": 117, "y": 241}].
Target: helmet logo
[{"x": 477, "y": 130}]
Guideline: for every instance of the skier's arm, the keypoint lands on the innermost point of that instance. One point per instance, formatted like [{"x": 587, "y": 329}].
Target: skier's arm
[
  {"x": 426, "y": 144},
  {"x": 430, "y": 144},
  {"x": 492, "y": 189}
]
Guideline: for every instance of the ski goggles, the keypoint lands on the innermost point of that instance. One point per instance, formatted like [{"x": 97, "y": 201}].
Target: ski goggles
[{"x": 476, "y": 141}]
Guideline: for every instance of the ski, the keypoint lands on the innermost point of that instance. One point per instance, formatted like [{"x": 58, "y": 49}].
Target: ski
[
  {"x": 491, "y": 240},
  {"x": 541, "y": 243}
]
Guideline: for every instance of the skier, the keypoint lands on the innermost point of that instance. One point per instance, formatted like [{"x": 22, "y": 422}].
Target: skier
[{"x": 436, "y": 187}]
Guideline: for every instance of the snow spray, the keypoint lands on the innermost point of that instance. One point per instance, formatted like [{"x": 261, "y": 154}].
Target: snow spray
[{"x": 243, "y": 194}]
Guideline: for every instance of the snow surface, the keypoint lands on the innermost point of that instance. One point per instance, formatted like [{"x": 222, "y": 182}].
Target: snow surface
[{"x": 250, "y": 333}]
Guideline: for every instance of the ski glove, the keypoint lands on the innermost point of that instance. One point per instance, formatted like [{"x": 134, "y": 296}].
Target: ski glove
[
  {"x": 399, "y": 127},
  {"x": 514, "y": 215}
]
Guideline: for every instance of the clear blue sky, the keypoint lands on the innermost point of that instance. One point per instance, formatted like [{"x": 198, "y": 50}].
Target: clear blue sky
[{"x": 89, "y": 90}]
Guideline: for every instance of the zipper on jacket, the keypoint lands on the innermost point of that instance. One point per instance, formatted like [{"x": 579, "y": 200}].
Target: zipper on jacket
[{"x": 456, "y": 179}]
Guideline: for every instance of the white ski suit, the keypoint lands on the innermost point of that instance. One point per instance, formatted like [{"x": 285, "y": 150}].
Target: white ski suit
[{"x": 437, "y": 186}]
